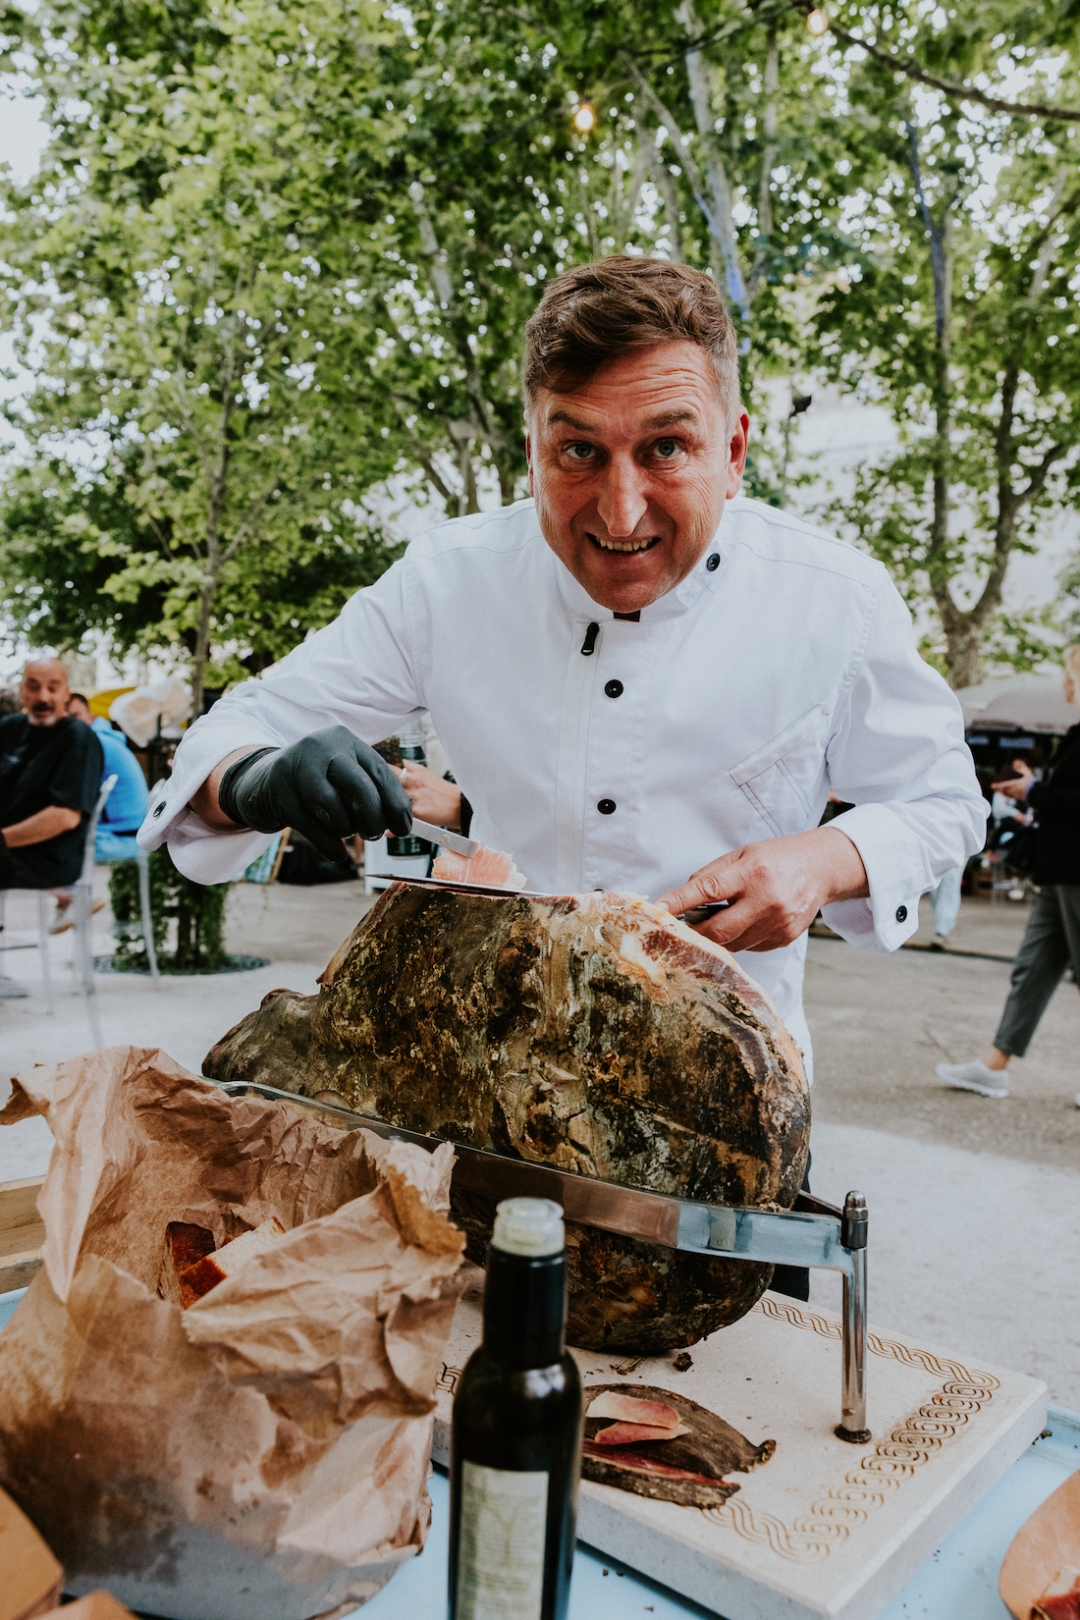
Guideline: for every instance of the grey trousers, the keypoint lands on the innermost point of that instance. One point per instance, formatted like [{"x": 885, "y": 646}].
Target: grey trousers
[{"x": 1050, "y": 945}]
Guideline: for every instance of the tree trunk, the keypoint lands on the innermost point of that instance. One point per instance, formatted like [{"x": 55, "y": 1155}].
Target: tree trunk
[
  {"x": 201, "y": 654},
  {"x": 963, "y": 650}
]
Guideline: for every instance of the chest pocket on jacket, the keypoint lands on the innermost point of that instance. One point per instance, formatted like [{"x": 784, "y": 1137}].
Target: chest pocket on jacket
[{"x": 783, "y": 780}]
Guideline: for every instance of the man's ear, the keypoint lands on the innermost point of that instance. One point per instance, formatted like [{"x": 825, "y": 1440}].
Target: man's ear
[
  {"x": 528, "y": 457},
  {"x": 738, "y": 444}
]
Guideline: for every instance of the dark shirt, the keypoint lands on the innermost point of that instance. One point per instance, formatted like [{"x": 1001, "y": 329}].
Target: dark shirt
[
  {"x": 42, "y": 766},
  {"x": 1056, "y": 802}
]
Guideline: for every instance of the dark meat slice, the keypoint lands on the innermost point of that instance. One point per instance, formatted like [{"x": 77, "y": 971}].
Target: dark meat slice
[
  {"x": 205, "y": 1274},
  {"x": 647, "y": 1476},
  {"x": 1062, "y": 1606},
  {"x": 688, "y": 1470},
  {"x": 185, "y": 1245}
]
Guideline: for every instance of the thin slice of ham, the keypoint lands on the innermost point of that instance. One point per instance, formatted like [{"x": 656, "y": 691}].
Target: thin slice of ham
[
  {"x": 629, "y": 1409},
  {"x": 632, "y": 1434},
  {"x": 488, "y": 867}
]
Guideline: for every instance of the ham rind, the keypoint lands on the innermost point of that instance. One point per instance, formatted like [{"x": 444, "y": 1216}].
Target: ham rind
[
  {"x": 593, "y": 1033},
  {"x": 633, "y": 1434},
  {"x": 628, "y": 1409}
]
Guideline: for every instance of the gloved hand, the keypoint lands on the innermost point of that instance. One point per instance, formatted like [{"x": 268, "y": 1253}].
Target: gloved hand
[{"x": 326, "y": 786}]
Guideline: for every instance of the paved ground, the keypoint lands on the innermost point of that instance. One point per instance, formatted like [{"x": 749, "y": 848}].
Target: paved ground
[
  {"x": 880, "y": 1025},
  {"x": 975, "y": 1205}
]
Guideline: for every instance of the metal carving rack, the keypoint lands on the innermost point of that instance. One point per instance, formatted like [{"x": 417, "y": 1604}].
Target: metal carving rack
[{"x": 812, "y": 1234}]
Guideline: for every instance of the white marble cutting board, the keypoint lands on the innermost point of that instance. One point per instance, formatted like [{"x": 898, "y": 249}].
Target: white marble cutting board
[{"x": 824, "y": 1528}]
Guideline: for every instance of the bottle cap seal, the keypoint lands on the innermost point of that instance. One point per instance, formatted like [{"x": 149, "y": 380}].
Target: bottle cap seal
[{"x": 529, "y": 1226}]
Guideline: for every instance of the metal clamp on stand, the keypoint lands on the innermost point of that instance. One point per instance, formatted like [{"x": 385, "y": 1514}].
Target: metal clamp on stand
[{"x": 813, "y": 1234}]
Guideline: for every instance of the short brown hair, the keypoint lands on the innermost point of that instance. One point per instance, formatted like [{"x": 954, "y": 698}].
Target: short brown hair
[{"x": 597, "y": 312}]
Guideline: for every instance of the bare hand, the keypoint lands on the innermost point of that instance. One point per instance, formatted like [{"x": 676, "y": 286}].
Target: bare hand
[
  {"x": 1016, "y": 787},
  {"x": 775, "y": 888},
  {"x": 433, "y": 798}
]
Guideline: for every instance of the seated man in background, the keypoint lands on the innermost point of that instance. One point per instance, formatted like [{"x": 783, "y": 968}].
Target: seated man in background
[
  {"x": 126, "y": 805},
  {"x": 50, "y": 776}
]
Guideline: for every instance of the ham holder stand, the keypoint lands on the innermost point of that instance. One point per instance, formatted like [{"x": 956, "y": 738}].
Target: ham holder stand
[{"x": 812, "y": 1234}]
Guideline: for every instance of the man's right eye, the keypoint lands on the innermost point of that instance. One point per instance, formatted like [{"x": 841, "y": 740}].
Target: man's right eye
[{"x": 580, "y": 452}]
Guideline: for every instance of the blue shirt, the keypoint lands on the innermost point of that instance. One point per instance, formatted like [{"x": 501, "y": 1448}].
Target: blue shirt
[{"x": 126, "y": 805}]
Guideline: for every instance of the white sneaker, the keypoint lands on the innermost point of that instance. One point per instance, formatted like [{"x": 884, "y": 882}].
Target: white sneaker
[
  {"x": 65, "y": 917},
  {"x": 975, "y": 1076}
]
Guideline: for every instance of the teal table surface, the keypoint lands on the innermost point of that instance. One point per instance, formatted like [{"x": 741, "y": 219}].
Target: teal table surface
[{"x": 959, "y": 1582}]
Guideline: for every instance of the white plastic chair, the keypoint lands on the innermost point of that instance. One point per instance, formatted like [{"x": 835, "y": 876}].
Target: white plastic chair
[
  {"x": 83, "y": 904},
  {"x": 142, "y": 859}
]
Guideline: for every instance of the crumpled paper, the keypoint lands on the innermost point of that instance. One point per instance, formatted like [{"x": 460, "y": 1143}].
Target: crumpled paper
[{"x": 265, "y": 1452}]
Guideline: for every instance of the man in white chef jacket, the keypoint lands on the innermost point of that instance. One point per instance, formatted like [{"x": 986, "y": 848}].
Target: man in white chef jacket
[{"x": 643, "y": 680}]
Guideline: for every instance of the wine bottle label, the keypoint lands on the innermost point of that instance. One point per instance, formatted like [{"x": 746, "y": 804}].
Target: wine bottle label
[{"x": 503, "y": 1535}]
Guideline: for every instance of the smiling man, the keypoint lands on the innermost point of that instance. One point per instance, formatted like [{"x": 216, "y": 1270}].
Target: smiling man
[
  {"x": 50, "y": 773},
  {"x": 643, "y": 680}
]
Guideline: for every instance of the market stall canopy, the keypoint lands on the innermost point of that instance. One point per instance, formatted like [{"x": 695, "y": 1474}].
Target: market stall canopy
[
  {"x": 101, "y": 702},
  {"x": 137, "y": 713},
  {"x": 1024, "y": 702}
]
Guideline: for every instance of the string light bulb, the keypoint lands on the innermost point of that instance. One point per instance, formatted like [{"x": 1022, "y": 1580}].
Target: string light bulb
[
  {"x": 584, "y": 118},
  {"x": 817, "y": 22}
]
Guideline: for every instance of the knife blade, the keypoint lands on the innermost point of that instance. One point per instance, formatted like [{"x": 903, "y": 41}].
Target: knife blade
[
  {"x": 460, "y": 886},
  {"x": 444, "y": 837},
  {"x": 774, "y": 1237}
]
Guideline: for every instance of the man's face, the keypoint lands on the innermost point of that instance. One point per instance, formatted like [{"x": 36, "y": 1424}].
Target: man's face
[
  {"x": 45, "y": 693},
  {"x": 80, "y": 709},
  {"x": 630, "y": 472}
]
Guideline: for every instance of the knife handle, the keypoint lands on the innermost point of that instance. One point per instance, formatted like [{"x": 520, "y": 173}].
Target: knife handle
[{"x": 700, "y": 914}]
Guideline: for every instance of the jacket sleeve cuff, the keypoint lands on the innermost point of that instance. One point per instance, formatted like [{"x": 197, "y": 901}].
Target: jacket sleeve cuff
[
  {"x": 895, "y": 869},
  {"x": 196, "y": 758}
]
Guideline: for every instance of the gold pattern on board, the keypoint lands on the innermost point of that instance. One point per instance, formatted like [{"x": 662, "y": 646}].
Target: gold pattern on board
[
  {"x": 831, "y": 1519},
  {"x": 448, "y": 1379}
]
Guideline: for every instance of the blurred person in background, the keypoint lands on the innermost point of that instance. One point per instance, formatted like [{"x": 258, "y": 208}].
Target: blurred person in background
[
  {"x": 945, "y": 905},
  {"x": 50, "y": 776},
  {"x": 126, "y": 805},
  {"x": 1051, "y": 943},
  {"x": 9, "y": 701}
]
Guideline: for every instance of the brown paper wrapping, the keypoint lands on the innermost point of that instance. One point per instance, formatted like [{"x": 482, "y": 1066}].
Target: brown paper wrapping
[{"x": 264, "y": 1453}]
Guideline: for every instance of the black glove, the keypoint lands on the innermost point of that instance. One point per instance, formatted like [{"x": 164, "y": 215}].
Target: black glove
[{"x": 326, "y": 786}]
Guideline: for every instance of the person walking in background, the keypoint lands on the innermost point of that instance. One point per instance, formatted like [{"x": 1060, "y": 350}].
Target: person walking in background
[
  {"x": 1052, "y": 940},
  {"x": 945, "y": 905}
]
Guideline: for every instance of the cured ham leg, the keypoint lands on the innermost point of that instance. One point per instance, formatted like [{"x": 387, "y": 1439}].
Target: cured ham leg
[{"x": 595, "y": 1033}]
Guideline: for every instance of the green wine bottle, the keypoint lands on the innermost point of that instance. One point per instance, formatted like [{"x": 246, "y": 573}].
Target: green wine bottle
[
  {"x": 411, "y": 743},
  {"x": 515, "y": 1446}
]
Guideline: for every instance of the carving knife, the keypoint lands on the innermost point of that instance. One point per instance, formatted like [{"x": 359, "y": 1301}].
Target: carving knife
[
  {"x": 444, "y": 837},
  {"x": 466, "y": 846},
  {"x": 816, "y": 1235}
]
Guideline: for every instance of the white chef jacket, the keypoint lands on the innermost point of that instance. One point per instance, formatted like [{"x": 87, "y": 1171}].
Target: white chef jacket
[{"x": 782, "y": 667}]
